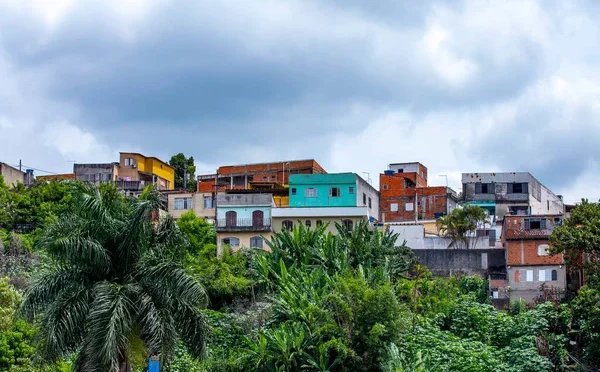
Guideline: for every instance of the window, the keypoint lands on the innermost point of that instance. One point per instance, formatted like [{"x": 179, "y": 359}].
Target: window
[
  {"x": 319, "y": 223},
  {"x": 293, "y": 191},
  {"x": 534, "y": 223},
  {"x": 542, "y": 275},
  {"x": 370, "y": 203},
  {"x": 347, "y": 225},
  {"x": 310, "y": 192},
  {"x": 410, "y": 207},
  {"x": 307, "y": 223},
  {"x": 256, "y": 242},
  {"x": 517, "y": 276},
  {"x": 334, "y": 192},
  {"x": 517, "y": 188},
  {"x": 258, "y": 219},
  {"x": 161, "y": 166},
  {"x": 183, "y": 203},
  {"x": 287, "y": 225},
  {"x": 273, "y": 176},
  {"x": 232, "y": 242},
  {"x": 394, "y": 207},
  {"x": 208, "y": 202},
  {"x": 364, "y": 199},
  {"x": 351, "y": 190},
  {"x": 543, "y": 249},
  {"x": 554, "y": 275},
  {"x": 265, "y": 178},
  {"x": 484, "y": 188},
  {"x": 548, "y": 203},
  {"x": 401, "y": 170},
  {"x": 529, "y": 277},
  {"x": 385, "y": 187}
]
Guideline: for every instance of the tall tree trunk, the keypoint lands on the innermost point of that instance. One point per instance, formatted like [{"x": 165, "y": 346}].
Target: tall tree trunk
[{"x": 124, "y": 365}]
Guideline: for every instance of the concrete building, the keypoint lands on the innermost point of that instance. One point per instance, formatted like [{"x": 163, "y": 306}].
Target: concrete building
[
  {"x": 528, "y": 263},
  {"x": 97, "y": 173},
  {"x": 202, "y": 204},
  {"x": 11, "y": 175},
  {"x": 406, "y": 196},
  {"x": 239, "y": 177},
  {"x": 136, "y": 171},
  {"x": 286, "y": 218},
  {"x": 513, "y": 193},
  {"x": 243, "y": 220},
  {"x": 333, "y": 190}
]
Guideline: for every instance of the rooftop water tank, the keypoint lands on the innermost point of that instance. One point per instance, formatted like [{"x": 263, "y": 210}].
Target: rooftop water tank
[{"x": 388, "y": 172}]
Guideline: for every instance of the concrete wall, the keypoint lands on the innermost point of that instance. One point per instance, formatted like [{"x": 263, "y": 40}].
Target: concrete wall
[
  {"x": 11, "y": 175},
  {"x": 412, "y": 234},
  {"x": 549, "y": 203},
  {"x": 446, "y": 262},
  {"x": 96, "y": 173},
  {"x": 243, "y": 212},
  {"x": 363, "y": 187}
]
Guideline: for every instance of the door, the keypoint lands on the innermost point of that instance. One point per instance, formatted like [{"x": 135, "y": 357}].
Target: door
[
  {"x": 231, "y": 218},
  {"x": 258, "y": 219}
]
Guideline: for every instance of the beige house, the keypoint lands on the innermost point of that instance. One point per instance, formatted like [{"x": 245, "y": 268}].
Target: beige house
[
  {"x": 286, "y": 218},
  {"x": 201, "y": 203},
  {"x": 11, "y": 175}
]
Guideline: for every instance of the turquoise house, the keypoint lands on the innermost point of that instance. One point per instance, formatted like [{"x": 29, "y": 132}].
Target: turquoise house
[{"x": 332, "y": 190}]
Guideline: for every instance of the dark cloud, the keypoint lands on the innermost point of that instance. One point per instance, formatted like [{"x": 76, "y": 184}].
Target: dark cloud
[{"x": 272, "y": 79}]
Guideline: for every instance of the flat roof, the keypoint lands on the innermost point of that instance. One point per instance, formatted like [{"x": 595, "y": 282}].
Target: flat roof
[{"x": 321, "y": 212}]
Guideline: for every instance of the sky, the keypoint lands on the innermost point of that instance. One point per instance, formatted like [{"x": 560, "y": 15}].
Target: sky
[{"x": 461, "y": 86}]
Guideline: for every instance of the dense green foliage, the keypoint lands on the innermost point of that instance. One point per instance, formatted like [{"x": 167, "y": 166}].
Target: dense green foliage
[
  {"x": 99, "y": 281},
  {"x": 184, "y": 170}
]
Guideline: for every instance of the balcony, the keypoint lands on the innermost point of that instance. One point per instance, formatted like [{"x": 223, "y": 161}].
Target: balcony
[
  {"x": 131, "y": 185},
  {"x": 243, "y": 224}
]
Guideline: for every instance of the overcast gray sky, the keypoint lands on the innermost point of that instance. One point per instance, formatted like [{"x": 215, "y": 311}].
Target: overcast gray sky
[{"x": 466, "y": 86}]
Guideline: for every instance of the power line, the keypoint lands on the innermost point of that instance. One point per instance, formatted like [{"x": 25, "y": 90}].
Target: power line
[{"x": 37, "y": 169}]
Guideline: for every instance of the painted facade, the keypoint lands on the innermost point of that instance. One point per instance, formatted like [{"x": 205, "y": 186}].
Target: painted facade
[
  {"x": 135, "y": 167},
  {"x": 287, "y": 218},
  {"x": 241, "y": 218},
  {"x": 333, "y": 190},
  {"x": 202, "y": 204}
]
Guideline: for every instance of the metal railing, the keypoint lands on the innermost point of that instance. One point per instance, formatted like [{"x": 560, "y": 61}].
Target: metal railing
[{"x": 243, "y": 224}]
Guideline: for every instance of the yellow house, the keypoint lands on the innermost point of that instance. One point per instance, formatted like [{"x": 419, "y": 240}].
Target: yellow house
[{"x": 146, "y": 170}]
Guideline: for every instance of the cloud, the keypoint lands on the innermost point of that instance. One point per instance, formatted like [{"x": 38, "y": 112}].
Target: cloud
[{"x": 459, "y": 86}]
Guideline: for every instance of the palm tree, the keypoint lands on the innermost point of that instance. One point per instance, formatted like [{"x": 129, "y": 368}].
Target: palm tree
[
  {"x": 459, "y": 225},
  {"x": 113, "y": 282}
]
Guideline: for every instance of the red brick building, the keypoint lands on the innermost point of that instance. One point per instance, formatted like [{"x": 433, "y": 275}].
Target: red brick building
[
  {"x": 239, "y": 177},
  {"x": 529, "y": 265},
  {"x": 405, "y": 195}
]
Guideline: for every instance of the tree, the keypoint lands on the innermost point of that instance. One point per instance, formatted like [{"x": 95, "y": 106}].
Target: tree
[
  {"x": 184, "y": 166},
  {"x": 579, "y": 237},
  {"x": 111, "y": 283},
  {"x": 460, "y": 224},
  {"x": 198, "y": 231}
]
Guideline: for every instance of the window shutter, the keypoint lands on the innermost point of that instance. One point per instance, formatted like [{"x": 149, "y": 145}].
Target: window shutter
[
  {"x": 554, "y": 275},
  {"x": 542, "y": 276},
  {"x": 542, "y": 224},
  {"x": 492, "y": 237}
]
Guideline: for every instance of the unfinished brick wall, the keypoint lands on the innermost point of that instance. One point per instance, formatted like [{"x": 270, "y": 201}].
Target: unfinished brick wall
[
  {"x": 272, "y": 172},
  {"x": 393, "y": 190},
  {"x": 525, "y": 252}
]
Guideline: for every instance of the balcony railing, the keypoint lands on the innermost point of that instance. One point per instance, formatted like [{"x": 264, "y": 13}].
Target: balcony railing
[{"x": 243, "y": 224}]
